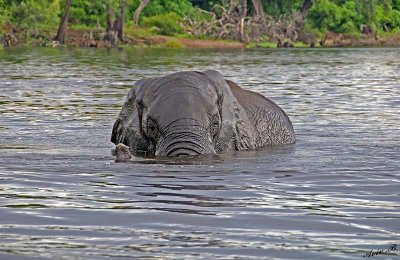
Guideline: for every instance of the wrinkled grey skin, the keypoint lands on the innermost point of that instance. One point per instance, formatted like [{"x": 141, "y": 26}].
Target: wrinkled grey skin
[{"x": 191, "y": 113}]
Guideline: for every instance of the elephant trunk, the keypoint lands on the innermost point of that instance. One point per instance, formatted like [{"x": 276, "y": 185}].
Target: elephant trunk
[
  {"x": 185, "y": 141},
  {"x": 186, "y": 148}
]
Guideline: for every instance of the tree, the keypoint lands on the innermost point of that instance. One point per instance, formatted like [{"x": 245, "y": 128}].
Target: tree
[
  {"x": 258, "y": 10},
  {"x": 119, "y": 21},
  {"x": 302, "y": 14},
  {"x": 62, "y": 29},
  {"x": 294, "y": 32},
  {"x": 109, "y": 22},
  {"x": 139, "y": 10}
]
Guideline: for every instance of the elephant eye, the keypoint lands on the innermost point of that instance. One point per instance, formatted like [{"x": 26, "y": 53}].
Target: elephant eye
[
  {"x": 215, "y": 125},
  {"x": 151, "y": 127}
]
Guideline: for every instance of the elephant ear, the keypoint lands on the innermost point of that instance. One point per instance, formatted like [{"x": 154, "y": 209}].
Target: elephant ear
[
  {"x": 235, "y": 130},
  {"x": 126, "y": 128}
]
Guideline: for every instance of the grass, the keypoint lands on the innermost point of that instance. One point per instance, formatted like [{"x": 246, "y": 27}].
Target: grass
[
  {"x": 261, "y": 45},
  {"x": 172, "y": 43},
  {"x": 301, "y": 45},
  {"x": 137, "y": 32}
]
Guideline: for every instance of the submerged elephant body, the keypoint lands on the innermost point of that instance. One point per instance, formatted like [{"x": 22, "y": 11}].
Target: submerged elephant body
[{"x": 190, "y": 113}]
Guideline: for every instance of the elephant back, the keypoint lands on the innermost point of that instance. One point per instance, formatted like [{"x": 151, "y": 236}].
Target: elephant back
[{"x": 271, "y": 123}]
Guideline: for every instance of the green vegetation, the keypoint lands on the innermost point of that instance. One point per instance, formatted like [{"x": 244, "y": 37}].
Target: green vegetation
[
  {"x": 277, "y": 8},
  {"x": 87, "y": 12},
  {"x": 262, "y": 45},
  {"x": 30, "y": 15},
  {"x": 165, "y": 24},
  {"x": 156, "y": 7},
  {"x": 173, "y": 44},
  {"x": 348, "y": 16},
  {"x": 188, "y": 18}
]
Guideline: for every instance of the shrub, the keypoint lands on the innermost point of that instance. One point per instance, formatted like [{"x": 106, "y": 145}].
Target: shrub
[
  {"x": 328, "y": 16},
  {"x": 387, "y": 20},
  {"x": 167, "y": 24},
  {"x": 3, "y": 14},
  {"x": 76, "y": 15},
  {"x": 30, "y": 14},
  {"x": 156, "y": 7},
  {"x": 88, "y": 12},
  {"x": 324, "y": 15}
]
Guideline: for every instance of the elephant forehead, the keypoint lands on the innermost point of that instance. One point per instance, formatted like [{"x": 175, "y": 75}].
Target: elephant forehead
[
  {"x": 185, "y": 83},
  {"x": 179, "y": 104},
  {"x": 180, "y": 88}
]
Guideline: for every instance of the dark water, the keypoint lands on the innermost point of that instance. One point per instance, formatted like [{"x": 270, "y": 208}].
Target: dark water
[{"x": 332, "y": 195}]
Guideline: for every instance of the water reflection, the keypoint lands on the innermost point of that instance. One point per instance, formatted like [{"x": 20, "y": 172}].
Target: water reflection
[{"x": 334, "y": 194}]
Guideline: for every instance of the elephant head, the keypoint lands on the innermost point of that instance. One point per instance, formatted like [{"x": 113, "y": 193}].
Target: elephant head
[{"x": 185, "y": 113}]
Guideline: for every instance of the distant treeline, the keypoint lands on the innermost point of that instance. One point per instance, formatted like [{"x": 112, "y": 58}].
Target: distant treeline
[{"x": 182, "y": 16}]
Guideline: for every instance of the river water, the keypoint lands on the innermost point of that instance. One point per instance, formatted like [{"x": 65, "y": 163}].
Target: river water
[{"x": 332, "y": 195}]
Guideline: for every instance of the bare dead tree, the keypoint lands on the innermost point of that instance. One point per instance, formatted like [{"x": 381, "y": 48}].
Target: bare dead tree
[
  {"x": 62, "y": 29},
  {"x": 138, "y": 11},
  {"x": 289, "y": 26},
  {"x": 233, "y": 23}
]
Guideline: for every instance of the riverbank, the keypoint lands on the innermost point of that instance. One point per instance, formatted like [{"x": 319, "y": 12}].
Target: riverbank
[
  {"x": 96, "y": 38},
  {"x": 142, "y": 38}
]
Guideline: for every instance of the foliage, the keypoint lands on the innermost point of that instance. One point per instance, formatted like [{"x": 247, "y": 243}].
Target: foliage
[
  {"x": 387, "y": 19},
  {"x": 3, "y": 14},
  {"x": 179, "y": 7},
  {"x": 348, "y": 16},
  {"x": 3, "y": 10},
  {"x": 92, "y": 13},
  {"x": 279, "y": 7},
  {"x": 157, "y": 7},
  {"x": 167, "y": 24},
  {"x": 327, "y": 16},
  {"x": 30, "y": 14}
]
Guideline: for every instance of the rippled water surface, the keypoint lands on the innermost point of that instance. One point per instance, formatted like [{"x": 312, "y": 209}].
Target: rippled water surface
[{"x": 335, "y": 194}]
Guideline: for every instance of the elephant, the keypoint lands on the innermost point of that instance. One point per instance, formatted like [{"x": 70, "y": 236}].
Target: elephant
[{"x": 191, "y": 113}]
